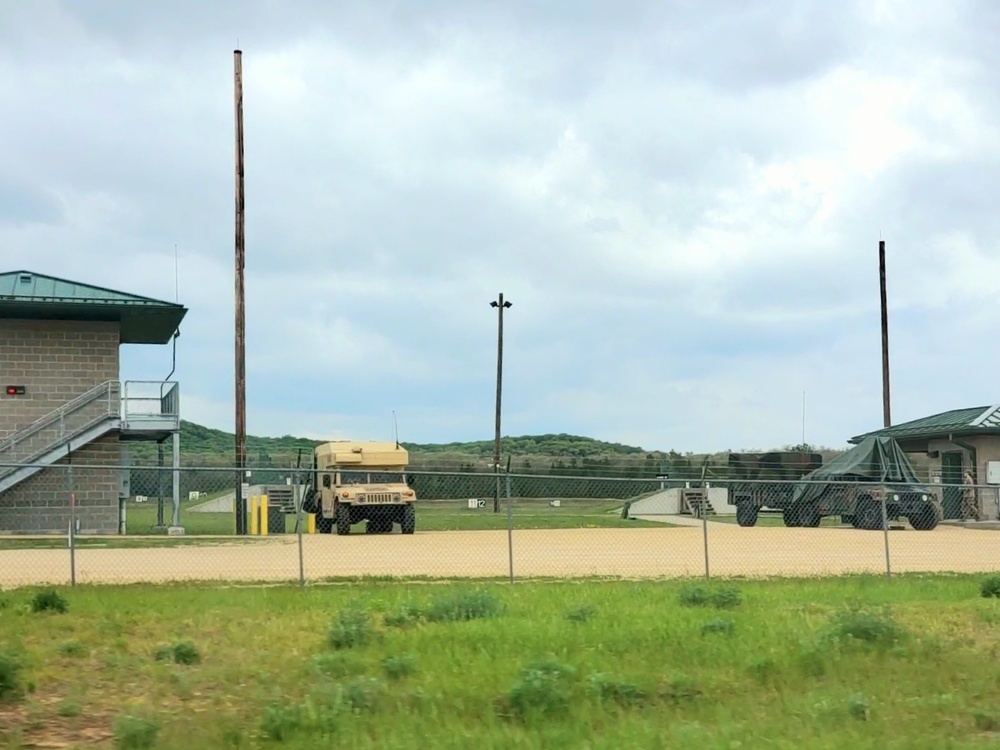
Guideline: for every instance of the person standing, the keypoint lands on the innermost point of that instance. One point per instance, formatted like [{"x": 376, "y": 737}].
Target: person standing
[{"x": 970, "y": 501}]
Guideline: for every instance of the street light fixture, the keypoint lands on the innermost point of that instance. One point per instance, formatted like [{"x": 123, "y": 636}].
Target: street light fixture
[{"x": 500, "y": 305}]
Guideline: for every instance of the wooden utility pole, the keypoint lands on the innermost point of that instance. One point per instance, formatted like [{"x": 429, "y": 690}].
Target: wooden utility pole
[
  {"x": 241, "y": 401},
  {"x": 886, "y": 414},
  {"x": 500, "y": 305}
]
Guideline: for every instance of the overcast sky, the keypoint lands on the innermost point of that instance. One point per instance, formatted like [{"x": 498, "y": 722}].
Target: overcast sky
[{"x": 682, "y": 200}]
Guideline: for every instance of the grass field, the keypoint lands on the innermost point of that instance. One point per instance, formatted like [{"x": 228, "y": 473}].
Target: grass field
[
  {"x": 443, "y": 515},
  {"x": 833, "y": 663}
]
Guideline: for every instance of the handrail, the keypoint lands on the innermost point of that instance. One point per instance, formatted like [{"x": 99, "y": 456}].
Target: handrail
[{"x": 105, "y": 389}]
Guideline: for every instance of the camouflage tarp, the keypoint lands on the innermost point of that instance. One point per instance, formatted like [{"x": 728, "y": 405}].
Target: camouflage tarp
[{"x": 875, "y": 459}]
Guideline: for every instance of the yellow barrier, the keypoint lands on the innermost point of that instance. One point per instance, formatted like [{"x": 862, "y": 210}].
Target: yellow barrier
[
  {"x": 258, "y": 515},
  {"x": 311, "y": 523}
]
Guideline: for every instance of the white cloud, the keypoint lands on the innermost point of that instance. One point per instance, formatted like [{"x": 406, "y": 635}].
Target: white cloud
[{"x": 689, "y": 238}]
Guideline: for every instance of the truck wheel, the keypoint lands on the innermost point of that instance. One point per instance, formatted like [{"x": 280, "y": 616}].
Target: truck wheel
[
  {"x": 790, "y": 516},
  {"x": 408, "y": 521},
  {"x": 323, "y": 525},
  {"x": 869, "y": 514},
  {"x": 746, "y": 514},
  {"x": 926, "y": 519},
  {"x": 343, "y": 520},
  {"x": 809, "y": 516}
]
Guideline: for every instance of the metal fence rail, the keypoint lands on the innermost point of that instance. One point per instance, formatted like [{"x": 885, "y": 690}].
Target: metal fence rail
[{"x": 79, "y": 523}]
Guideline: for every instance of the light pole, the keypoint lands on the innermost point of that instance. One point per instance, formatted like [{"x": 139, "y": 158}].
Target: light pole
[{"x": 500, "y": 305}]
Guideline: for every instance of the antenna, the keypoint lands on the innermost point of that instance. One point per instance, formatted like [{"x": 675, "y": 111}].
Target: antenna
[
  {"x": 395, "y": 427},
  {"x": 803, "y": 418}
]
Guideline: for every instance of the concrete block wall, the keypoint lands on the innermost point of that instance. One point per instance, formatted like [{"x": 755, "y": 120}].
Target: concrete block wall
[
  {"x": 41, "y": 503},
  {"x": 57, "y": 361}
]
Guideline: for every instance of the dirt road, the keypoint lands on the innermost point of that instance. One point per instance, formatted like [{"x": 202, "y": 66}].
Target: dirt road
[{"x": 571, "y": 552}]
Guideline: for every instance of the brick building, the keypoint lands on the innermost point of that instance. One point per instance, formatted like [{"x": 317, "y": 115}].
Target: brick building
[{"x": 62, "y": 401}]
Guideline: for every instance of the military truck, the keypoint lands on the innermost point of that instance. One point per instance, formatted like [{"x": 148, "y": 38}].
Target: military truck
[
  {"x": 856, "y": 484},
  {"x": 852, "y": 486},
  {"x": 769, "y": 481},
  {"x": 355, "y": 481}
]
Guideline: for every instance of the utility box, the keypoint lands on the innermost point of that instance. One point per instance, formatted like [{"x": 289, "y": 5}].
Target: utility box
[{"x": 993, "y": 472}]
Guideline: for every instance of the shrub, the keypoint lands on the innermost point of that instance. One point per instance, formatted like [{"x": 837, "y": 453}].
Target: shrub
[
  {"x": 72, "y": 648},
  {"x": 405, "y": 615},
  {"x": 397, "y": 667},
  {"x": 135, "y": 731},
  {"x": 353, "y": 628},
  {"x": 866, "y": 626},
  {"x": 724, "y": 627},
  {"x": 181, "y": 652},
  {"x": 49, "y": 600},
  {"x": 363, "y": 693},
  {"x": 720, "y": 597},
  {"x": 464, "y": 605},
  {"x": 280, "y": 721},
  {"x": 990, "y": 588},
  {"x": 10, "y": 678},
  {"x": 581, "y": 613},
  {"x": 623, "y": 693},
  {"x": 541, "y": 691},
  {"x": 338, "y": 664}
]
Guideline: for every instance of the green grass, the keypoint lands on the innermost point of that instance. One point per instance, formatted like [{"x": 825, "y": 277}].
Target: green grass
[
  {"x": 774, "y": 519},
  {"x": 431, "y": 516},
  {"x": 859, "y": 662}
]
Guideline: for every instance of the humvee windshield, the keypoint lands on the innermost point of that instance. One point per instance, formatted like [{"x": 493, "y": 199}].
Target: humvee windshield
[{"x": 372, "y": 477}]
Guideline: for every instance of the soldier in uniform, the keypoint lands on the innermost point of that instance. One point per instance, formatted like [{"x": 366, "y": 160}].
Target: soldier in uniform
[{"x": 970, "y": 503}]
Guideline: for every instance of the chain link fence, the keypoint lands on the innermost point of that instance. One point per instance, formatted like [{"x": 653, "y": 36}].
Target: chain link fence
[{"x": 85, "y": 523}]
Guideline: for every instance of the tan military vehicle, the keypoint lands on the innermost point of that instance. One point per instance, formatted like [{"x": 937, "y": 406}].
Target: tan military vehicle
[{"x": 357, "y": 481}]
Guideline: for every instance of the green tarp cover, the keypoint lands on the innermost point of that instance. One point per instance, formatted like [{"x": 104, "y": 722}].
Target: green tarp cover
[{"x": 875, "y": 459}]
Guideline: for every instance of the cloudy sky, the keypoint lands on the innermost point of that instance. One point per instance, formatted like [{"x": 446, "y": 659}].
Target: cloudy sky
[{"x": 682, "y": 200}]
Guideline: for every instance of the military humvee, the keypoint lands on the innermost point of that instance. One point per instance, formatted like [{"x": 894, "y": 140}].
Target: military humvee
[
  {"x": 853, "y": 486},
  {"x": 356, "y": 481}
]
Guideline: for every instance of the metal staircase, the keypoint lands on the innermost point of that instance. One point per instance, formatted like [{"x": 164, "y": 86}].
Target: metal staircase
[
  {"x": 76, "y": 423},
  {"x": 149, "y": 410}
]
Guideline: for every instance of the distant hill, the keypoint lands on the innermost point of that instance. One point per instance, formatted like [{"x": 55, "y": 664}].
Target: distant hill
[{"x": 558, "y": 454}]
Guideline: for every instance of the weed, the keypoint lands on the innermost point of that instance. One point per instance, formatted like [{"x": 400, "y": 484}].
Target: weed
[
  {"x": 724, "y": 627},
  {"x": 986, "y": 722},
  {"x": 11, "y": 687},
  {"x": 280, "y": 721},
  {"x": 338, "y": 664},
  {"x": 866, "y": 626},
  {"x": 69, "y": 709},
  {"x": 397, "y": 667},
  {"x": 181, "y": 652},
  {"x": 764, "y": 670},
  {"x": 49, "y": 600},
  {"x": 541, "y": 691},
  {"x": 621, "y": 692},
  {"x": 464, "y": 605},
  {"x": 72, "y": 648},
  {"x": 720, "y": 597},
  {"x": 581, "y": 613},
  {"x": 408, "y": 614},
  {"x": 135, "y": 731},
  {"x": 990, "y": 588},
  {"x": 353, "y": 628},
  {"x": 858, "y": 707},
  {"x": 680, "y": 689},
  {"x": 363, "y": 693}
]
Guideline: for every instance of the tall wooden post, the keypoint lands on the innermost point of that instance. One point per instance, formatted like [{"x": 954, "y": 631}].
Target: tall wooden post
[
  {"x": 886, "y": 413},
  {"x": 241, "y": 427}
]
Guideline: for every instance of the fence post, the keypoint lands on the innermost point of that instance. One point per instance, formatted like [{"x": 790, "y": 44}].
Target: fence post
[
  {"x": 298, "y": 494},
  {"x": 510, "y": 531},
  {"x": 72, "y": 518},
  {"x": 704, "y": 534},
  {"x": 885, "y": 535}
]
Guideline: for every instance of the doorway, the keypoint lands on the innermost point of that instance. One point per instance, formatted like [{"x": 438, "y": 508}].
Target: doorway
[{"x": 952, "y": 463}]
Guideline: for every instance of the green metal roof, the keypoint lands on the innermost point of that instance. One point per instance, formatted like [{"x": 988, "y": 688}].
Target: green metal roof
[
  {"x": 35, "y": 296},
  {"x": 974, "y": 420}
]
